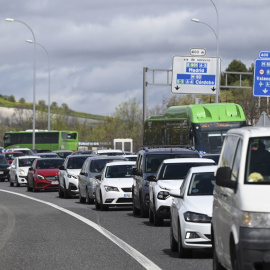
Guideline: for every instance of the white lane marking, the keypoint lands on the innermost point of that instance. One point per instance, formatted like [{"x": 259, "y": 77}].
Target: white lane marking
[{"x": 140, "y": 258}]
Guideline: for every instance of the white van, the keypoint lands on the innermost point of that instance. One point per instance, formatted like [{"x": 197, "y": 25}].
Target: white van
[{"x": 241, "y": 208}]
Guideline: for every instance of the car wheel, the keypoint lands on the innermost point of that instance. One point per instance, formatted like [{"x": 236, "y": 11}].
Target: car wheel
[
  {"x": 234, "y": 259},
  {"x": 66, "y": 193},
  {"x": 82, "y": 199},
  {"x": 151, "y": 215},
  {"x": 182, "y": 252},
  {"x": 102, "y": 206},
  {"x": 143, "y": 212},
  {"x": 29, "y": 188},
  {"x": 11, "y": 183},
  {"x": 158, "y": 221},
  {"x": 88, "y": 199},
  {"x": 97, "y": 204},
  {"x": 135, "y": 210},
  {"x": 173, "y": 242},
  {"x": 60, "y": 192},
  {"x": 34, "y": 186},
  {"x": 17, "y": 183}
]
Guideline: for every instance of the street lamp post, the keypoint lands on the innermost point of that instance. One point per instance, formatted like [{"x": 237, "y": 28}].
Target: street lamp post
[
  {"x": 34, "y": 82},
  {"x": 217, "y": 62},
  {"x": 49, "y": 83}
]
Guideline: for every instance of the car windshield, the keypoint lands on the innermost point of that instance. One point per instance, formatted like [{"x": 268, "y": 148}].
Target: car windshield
[
  {"x": 13, "y": 155},
  {"x": 76, "y": 162},
  {"x": 153, "y": 161},
  {"x": 26, "y": 152},
  {"x": 119, "y": 171},
  {"x": 48, "y": 155},
  {"x": 201, "y": 184},
  {"x": 110, "y": 154},
  {"x": 96, "y": 166},
  {"x": 49, "y": 164},
  {"x": 26, "y": 162},
  {"x": 170, "y": 171},
  {"x": 3, "y": 160},
  {"x": 63, "y": 154},
  {"x": 258, "y": 160}
]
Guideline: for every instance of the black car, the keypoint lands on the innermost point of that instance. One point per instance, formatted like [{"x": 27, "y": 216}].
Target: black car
[
  {"x": 4, "y": 169},
  {"x": 147, "y": 163}
]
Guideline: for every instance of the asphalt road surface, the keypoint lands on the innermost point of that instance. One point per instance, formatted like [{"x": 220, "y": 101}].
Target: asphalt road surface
[{"x": 41, "y": 231}]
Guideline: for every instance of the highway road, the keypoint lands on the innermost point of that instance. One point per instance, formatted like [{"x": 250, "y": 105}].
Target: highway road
[{"x": 41, "y": 231}]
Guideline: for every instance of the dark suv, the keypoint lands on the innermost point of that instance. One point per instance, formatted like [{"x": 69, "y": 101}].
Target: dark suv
[{"x": 148, "y": 161}]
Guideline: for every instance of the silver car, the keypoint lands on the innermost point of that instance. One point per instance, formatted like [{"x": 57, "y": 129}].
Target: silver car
[{"x": 87, "y": 181}]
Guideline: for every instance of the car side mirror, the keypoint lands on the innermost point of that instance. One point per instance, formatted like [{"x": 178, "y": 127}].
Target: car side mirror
[
  {"x": 135, "y": 171},
  {"x": 62, "y": 167},
  {"x": 31, "y": 169},
  {"x": 224, "y": 178},
  {"x": 82, "y": 173},
  {"x": 98, "y": 177},
  {"x": 152, "y": 178},
  {"x": 175, "y": 193}
]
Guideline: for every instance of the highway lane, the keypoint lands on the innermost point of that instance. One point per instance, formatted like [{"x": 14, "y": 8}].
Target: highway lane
[{"x": 35, "y": 235}]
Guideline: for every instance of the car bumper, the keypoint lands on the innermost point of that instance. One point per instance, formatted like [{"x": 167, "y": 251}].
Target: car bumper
[
  {"x": 196, "y": 235},
  {"x": 117, "y": 199},
  {"x": 4, "y": 174},
  {"x": 164, "y": 212},
  {"x": 44, "y": 184},
  {"x": 22, "y": 179},
  {"x": 73, "y": 185},
  {"x": 254, "y": 248}
]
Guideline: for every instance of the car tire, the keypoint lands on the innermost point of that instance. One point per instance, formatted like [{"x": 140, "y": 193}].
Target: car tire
[
  {"x": 135, "y": 210},
  {"x": 34, "y": 187},
  {"x": 82, "y": 199},
  {"x": 151, "y": 215},
  {"x": 66, "y": 193},
  {"x": 173, "y": 242},
  {"x": 60, "y": 192},
  {"x": 17, "y": 183},
  {"x": 102, "y": 206},
  {"x": 97, "y": 205},
  {"x": 11, "y": 183},
  {"x": 158, "y": 221},
  {"x": 29, "y": 188},
  {"x": 182, "y": 252},
  {"x": 88, "y": 199},
  {"x": 143, "y": 213}
]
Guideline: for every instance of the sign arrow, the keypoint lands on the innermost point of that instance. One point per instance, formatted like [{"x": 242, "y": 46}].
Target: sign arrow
[
  {"x": 213, "y": 88},
  {"x": 265, "y": 90},
  {"x": 177, "y": 87}
]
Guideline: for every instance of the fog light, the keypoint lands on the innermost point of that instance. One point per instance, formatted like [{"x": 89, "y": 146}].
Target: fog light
[{"x": 191, "y": 235}]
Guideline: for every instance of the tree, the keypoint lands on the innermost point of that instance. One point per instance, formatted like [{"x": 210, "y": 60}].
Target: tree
[
  {"x": 22, "y": 100},
  {"x": 11, "y": 98}
]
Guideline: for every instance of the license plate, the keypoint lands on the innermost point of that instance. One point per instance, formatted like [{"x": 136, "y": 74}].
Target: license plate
[
  {"x": 127, "y": 195},
  {"x": 54, "y": 182},
  {"x": 1, "y": 172}
]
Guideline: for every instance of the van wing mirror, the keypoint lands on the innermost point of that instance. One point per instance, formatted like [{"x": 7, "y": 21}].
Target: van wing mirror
[
  {"x": 135, "y": 171},
  {"x": 224, "y": 178},
  {"x": 152, "y": 178}
]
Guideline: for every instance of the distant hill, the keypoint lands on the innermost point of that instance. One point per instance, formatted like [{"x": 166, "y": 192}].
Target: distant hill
[{"x": 7, "y": 109}]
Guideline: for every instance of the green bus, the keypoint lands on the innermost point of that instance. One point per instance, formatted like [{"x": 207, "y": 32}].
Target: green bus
[
  {"x": 52, "y": 140},
  {"x": 202, "y": 126}
]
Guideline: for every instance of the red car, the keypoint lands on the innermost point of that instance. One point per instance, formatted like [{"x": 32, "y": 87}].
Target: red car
[
  {"x": 11, "y": 155},
  {"x": 43, "y": 175}
]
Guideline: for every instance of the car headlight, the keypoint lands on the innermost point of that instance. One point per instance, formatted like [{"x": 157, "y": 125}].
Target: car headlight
[
  {"x": 163, "y": 195},
  {"x": 72, "y": 176},
  {"x": 22, "y": 172},
  {"x": 196, "y": 217},
  {"x": 40, "y": 176},
  {"x": 255, "y": 220},
  {"x": 109, "y": 188}
]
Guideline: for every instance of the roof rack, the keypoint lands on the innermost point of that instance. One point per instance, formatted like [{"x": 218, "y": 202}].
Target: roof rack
[{"x": 147, "y": 147}]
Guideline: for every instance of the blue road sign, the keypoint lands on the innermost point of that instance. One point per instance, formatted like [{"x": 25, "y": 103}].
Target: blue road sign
[
  {"x": 264, "y": 54},
  {"x": 261, "y": 85}
]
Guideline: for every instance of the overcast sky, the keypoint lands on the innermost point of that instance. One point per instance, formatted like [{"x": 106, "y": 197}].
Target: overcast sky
[{"x": 98, "y": 48}]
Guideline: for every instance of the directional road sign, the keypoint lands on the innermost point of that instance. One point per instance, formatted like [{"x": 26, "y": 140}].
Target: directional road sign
[
  {"x": 261, "y": 85},
  {"x": 194, "y": 75}
]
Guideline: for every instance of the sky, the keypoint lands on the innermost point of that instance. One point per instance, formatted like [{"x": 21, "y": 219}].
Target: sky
[{"x": 97, "y": 48}]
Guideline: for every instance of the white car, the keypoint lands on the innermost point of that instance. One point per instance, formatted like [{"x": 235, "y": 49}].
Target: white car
[
  {"x": 69, "y": 175},
  {"x": 170, "y": 175},
  {"x": 191, "y": 211},
  {"x": 19, "y": 170},
  {"x": 113, "y": 187},
  {"x": 26, "y": 151}
]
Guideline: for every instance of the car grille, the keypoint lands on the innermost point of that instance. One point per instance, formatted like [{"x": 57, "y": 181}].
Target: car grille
[
  {"x": 208, "y": 236},
  {"x": 52, "y": 178},
  {"x": 124, "y": 200},
  {"x": 126, "y": 189}
]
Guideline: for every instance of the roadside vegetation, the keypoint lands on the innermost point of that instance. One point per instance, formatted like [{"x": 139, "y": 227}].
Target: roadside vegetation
[{"x": 127, "y": 120}]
